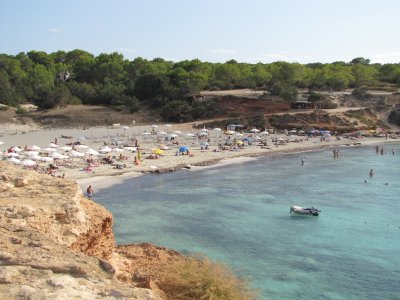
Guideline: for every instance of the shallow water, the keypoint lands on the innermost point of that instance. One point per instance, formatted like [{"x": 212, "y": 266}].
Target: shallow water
[{"x": 239, "y": 214}]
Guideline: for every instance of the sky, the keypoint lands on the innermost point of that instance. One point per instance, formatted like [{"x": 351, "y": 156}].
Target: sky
[{"x": 252, "y": 31}]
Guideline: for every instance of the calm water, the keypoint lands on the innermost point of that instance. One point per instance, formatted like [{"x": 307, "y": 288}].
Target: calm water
[{"x": 239, "y": 214}]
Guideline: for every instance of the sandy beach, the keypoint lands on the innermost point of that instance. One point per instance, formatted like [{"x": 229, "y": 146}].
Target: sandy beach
[{"x": 154, "y": 137}]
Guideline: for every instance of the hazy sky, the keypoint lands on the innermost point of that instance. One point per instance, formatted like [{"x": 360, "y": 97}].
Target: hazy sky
[{"x": 211, "y": 30}]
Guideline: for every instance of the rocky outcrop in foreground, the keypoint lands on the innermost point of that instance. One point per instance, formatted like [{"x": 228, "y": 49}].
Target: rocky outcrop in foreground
[{"x": 56, "y": 244}]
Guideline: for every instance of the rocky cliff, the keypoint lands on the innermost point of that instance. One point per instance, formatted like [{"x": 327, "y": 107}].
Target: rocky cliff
[{"x": 56, "y": 244}]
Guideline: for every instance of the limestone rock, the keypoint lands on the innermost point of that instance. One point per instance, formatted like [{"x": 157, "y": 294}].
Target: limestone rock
[
  {"x": 20, "y": 182},
  {"x": 52, "y": 240}
]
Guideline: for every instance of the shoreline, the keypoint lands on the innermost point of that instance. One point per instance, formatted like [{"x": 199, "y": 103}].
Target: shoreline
[
  {"x": 107, "y": 181},
  {"x": 105, "y": 176}
]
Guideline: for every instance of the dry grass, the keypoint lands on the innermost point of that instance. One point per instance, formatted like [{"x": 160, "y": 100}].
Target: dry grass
[{"x": 200, "y": 278}]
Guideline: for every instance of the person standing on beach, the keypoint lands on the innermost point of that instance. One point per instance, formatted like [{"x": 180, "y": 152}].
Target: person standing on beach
[{"x": 89, "y": 192}]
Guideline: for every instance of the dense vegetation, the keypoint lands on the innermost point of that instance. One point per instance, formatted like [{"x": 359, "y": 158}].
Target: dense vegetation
[{"x": 75, "y": 77}]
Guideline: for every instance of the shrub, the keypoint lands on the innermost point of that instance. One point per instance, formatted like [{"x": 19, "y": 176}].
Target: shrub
[{"x": 199, "y": 278}]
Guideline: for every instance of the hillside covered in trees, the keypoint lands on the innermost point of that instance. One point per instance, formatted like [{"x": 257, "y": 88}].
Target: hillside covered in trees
[{"x": 79, "y": 77}]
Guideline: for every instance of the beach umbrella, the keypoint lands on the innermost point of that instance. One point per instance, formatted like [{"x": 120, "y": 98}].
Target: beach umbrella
[
  {"x": 217, "y": 129},
  {"x": 11, "y": 154},
  {"x": 105, "y": 149},
  {"x": 58, "y": 155},
  {"x": 33, "y": 148},
  {"x": 203, "y": 130},
  {"x": 82, "y": 147},
  {"x": 16, "y": 149},
  {"x": 173, "y": 135},
  {"x": 239, "y": 142},
  {"x": 74, "y": 153},
  {"x": 189, "y": 135},
  {"x": 91, "y": 151},
  {"x": 48, "y": 149},
  {"x": 161, "y": 133},
  {"x": 177, "y": 132},
  {"x": 130, "y": 148},
  {"x": 118, "y": 150},
  {"x": 265, "y": 133},
  {"x": 66, "y": 148},
  {"x": 254, "y": 130},
  {"x": 183, "y": 148},
  {"x": 158, "y": 151},
  {"x": 125, "y": 127},
  {"x": 230, "y": 132},
  {"x": 14, "y": 160},
  {"x": 202, "y": 133},
  {"x": 163, "y": 147},
  {"x": 31, "y": 153},
  {"x": 52, "y": 145},
  {"x": 45, "y": 158},
  {"x": 28, "y": 163}
]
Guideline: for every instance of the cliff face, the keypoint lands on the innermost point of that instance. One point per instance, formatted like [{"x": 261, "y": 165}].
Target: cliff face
[{"x": 55, "y": 244}]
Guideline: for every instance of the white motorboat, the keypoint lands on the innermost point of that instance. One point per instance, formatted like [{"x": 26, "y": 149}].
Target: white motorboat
[{"x": 301, "y": 211}]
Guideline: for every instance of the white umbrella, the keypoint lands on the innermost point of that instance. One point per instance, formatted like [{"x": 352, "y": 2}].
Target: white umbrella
[
  {"x": 74, "y": 153},
  {"x": 82, "y": 147},
  {"x": 105, "y": 149},
  {"x": 118, "y": 150},
  {"x": 16, "y": 149},
  {"x": 265, "y": 133},
  {"x": 33, "y": 148},
  {"x": 52, "y": 145},
  {"x": 59, "y": 156},
  {"x": 66, "y": 148},
  {"x": 14, "y": 160},
  {"x": 189, "y": 134},
  {"x": 11, "y": 154},
  {"x": 202, "y": 133},
  {"x": 173, "y": 135},
  {"x": 92, "y": 152},
  {"x": 48, "y": 149},
  {"x": 177, "y": 132},
  {"x": 28, "y": 163},
  {"x": 254, "y": 130},
  {"x": 31, "y": 153},
  {"x": 45, "y": 158},
  {"x": 230, "y": 132},
  {"x": 125, "y": 127},
  {"x": 217, "y": 129},
  {"x": 36, "y": 157},
  {"x": 130, "y": 148},
  {"x": 161, "y": 133}
]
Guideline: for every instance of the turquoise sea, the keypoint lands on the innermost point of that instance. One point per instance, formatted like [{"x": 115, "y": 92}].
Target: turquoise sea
[{"x": 239, "y": 214}]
